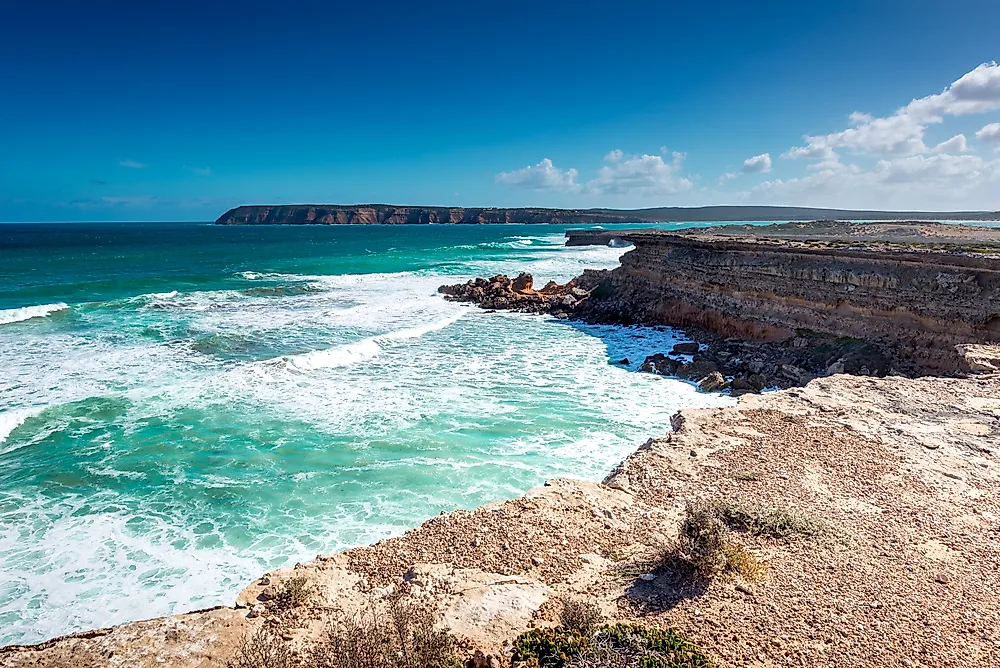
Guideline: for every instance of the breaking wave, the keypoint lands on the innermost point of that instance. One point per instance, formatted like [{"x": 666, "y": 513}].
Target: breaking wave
[
  {"x": 10, "y": 315},
  {"x": 363, "y": 350}
]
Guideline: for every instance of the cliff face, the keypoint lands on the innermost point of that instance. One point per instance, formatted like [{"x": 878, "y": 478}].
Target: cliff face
[
  {"x": 377, "y": 214},
  {"x": 919, "y": 297},
  {"x": 368, "y": 214}
]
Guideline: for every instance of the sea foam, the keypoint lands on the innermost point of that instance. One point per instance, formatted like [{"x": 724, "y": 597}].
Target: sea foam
[{"x": 10, "y": 315}]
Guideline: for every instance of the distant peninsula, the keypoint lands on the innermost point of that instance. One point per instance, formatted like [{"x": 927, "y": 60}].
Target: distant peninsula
[{"x": 386, "y": 214}]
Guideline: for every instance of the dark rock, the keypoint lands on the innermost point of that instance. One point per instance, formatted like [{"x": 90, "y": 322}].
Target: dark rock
[
  {"x": 697, "y": 369},
  {"x": 661, "y": 364},
  {"x": 757, "y": 382},
  {"x": 687, "y": 348},
  {"x": 522, "y": 283},
  {"x": 623, "y": 361},
  {"x": 712, "y": 382}
]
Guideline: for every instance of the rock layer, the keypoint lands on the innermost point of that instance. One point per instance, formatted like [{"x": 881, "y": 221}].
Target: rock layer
[
  {"x": 378, "y": 214},
  {"x": 922, "y": 297}
]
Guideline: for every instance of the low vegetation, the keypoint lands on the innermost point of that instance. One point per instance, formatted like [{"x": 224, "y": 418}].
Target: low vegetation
[
  {"x": 773, "y": 522},
  {"x": 401, "y": 636},
  {"x": 261, "y": 649},
  {"x": 705, "y": 537},
  {"x": 580, "y": 616},
  {"x": 292, "y": 593},
  {"x": 607, "y": 646}
]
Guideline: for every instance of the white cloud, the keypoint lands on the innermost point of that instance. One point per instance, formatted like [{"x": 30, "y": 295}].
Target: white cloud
[
  {"x": 957, "y": 144},
  {"x": 614, "y": 155},
  {"x": 728, "y": 176},
  {"x": 758, "y": 163},
  {"x": 200, "y": 171},
  {"x": 911, "y": 182},
  {"x": 543, "y": 176},
  {"x": 132, "y": 164},
  {"x": 902, "y": 133},
  {"x": 990, "y": 134},
  {"x": 641, "y": 175},
  {"x": 635, "y": 175}
]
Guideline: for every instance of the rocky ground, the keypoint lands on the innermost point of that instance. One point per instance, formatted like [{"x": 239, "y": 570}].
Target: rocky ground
[{"x": 902, "y": 474}]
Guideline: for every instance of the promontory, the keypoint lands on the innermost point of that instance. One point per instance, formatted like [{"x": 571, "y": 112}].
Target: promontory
[{"x": 387, "y": 214}]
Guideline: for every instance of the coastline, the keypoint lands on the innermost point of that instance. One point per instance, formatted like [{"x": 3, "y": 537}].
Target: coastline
[
  {"x": 900, "y": 473},
  {"x": 862, "y": 454}
]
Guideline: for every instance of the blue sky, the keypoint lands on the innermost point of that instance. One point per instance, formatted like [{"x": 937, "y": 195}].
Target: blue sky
[{"x": 180, "y": 110}]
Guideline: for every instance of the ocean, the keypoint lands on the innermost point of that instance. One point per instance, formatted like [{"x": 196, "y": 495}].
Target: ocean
[{"x": 186, "y": 406}]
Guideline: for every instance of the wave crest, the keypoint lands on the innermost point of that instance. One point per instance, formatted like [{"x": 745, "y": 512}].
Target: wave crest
[
  {"x": 363, "y": 350},
  {"x": 10, "y": 315}
]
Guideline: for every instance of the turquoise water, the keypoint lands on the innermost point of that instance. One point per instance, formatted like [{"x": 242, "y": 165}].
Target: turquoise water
[{"x": 183, "y": 407}]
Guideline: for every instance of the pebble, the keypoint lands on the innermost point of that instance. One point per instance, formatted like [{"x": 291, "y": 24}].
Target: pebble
[
  {"x": 647, "y": 577},
  {"x": 537, "y": 561}
]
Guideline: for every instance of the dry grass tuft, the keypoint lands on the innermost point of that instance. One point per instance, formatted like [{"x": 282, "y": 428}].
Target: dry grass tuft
[
  {"x": 742, "y": 561},
  {"x": 260, "y": 649},
  {"x": 580, "y": 616},
  {"x": 773, "y": 522},
  {"x": 401, "y": 637},
  {"x": 703, "y": 538}
]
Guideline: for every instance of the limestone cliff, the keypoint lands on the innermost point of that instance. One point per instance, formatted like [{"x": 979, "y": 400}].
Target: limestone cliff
[
  {"x": 378, "y": 214},
  {"x": 924, "y": 288}
]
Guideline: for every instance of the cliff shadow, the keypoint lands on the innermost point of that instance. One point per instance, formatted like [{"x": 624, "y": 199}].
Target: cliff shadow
[{"x": 631, "y": 342}]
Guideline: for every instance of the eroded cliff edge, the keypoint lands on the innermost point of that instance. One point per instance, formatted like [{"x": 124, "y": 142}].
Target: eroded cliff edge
[{"x": 917, "y": 289}]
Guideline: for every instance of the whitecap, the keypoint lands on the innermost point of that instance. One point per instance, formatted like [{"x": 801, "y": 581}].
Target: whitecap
[
  {"x": 363, "y": 350},
  {"x": 10, "y": 315},
  {"x": 11, "y": 420},
  {"x": 346, "y": 355}
]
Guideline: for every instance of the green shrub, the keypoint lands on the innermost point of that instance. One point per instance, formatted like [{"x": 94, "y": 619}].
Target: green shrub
[
  {"x": 292, "y": 593},
  {"x": 609, "y": 646},
  {"x": 548, "y": 648}
]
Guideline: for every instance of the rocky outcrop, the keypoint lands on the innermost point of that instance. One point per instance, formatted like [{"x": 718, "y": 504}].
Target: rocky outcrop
[
  {"x": 518, "y": 294},
  {"x": 379, "y": 214},
  {"x": 920, "y": 293}
]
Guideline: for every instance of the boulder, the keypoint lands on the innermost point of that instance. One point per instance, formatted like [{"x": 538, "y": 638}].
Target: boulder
[
  {"x": 697, "y": 369},
  {"x": 757, "y": 382},
  {"x": 980, "y": 358},
  {"x": 661, "y": 364},
  {"x": 713, "y": 382},
  {"x": 522, "y": 283},
  {"x": 551, "y": 288},
  {"x": 686, "y": 348}
]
